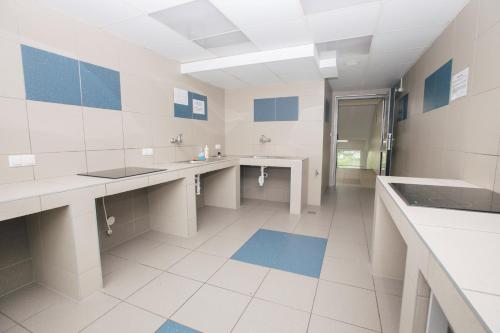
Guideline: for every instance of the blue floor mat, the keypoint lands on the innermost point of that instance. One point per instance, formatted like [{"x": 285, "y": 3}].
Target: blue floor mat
[{"x": 288, "y": 252}]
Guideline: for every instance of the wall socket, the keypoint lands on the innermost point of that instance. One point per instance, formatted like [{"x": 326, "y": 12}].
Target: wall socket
[
  {"x": 147, "y": 151},
  {"x": 16, "y": 161}
]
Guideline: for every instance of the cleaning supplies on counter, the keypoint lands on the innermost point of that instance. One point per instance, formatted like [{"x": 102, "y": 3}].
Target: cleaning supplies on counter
[
  {"x": 207, "y": 152},
  {"x": 201, "y": 155}
]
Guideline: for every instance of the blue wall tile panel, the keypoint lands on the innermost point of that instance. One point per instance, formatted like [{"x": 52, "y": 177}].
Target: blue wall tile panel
[
  {"x": 100, "y": 87},
  {"x": 264, "y": 109},
  {"x": 186, "y": 111},
  {"x": 437, "y": 87},
  {"x": 287, "y": 108},
  {"x": 402, "y": 109},
  {"x": 49, "y": 77},
  {"x": 171, "y": 326},
  {"x": 201, "y": 98},
  {"x": 280, "y": 250}
]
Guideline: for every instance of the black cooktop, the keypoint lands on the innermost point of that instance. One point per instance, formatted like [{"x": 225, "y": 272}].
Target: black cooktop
[
  {"x": 120, "y": 173},
  {"x": 461, "y": 198}
]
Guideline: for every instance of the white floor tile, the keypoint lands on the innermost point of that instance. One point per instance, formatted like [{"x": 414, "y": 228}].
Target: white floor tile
[
  {"x": 282, "y": 221},
  {"x": 198, "y": 266},
  {"x": 239, "y": 276},
  {"x": 221, "y": 246},
  {"x": 346, "y": 250},
  {"x": 212, "y": 310},
  {"x": 134, "y": 248},
  {"x": 293, "y": 290},
  {"x": 390, "y": 310},
  {"x": 69, "y": 316},
  {"x": 126, "y": 318},
  {"x": 190, "y": 243},
  {"x": 240, "y": 230},
  {"x": 348, "y": 271},
  {"x": 5, "y": 323},
  {"x": 325, "y": 325},
  {"x": 388, "y": 286},
  {"x": 314, "y": 229},
  {"x": 351, "y": 233},
  {"x": 17, "y": 329},
  {"x": 163, "y": 256},
  {"x": 125, "y": 281},
  {"x": 347, "y": 304},
  {"x": 165, "y": 294},
  {"x": 27, "y": 301},
  {"x": 266, "y": 317}
]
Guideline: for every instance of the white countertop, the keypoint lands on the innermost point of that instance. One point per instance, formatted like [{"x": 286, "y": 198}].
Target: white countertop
[
  {"x": 36, "y": 188},
  {"x": 465, "y": 243}
]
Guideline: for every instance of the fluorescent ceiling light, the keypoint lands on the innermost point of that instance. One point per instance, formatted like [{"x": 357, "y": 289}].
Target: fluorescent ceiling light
[
  {"x": 289, "y": 53},
  {"x": 230, "y": 38},
  {"x": 195, "y": 19},
  {"x": 342, "y": 140}
]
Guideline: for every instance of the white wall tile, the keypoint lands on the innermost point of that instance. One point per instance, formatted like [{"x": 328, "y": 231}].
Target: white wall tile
[
  {"x": 14, "y": 134},
  {"x": 103, "y": 129}
]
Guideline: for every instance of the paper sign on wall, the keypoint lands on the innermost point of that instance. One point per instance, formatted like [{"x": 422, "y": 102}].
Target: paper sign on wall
[
  {"x": 459, "y": 84},
  {"x": 198, "y": 106},
  {"x": 181, "y": 96}
]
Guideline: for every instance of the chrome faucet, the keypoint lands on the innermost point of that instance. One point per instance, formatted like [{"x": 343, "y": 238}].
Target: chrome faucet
[
  {"x": 177, "y": 140},
  {"x": 263, "y": 139}
]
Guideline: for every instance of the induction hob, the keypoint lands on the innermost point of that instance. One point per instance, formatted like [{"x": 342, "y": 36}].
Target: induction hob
[
  {"x": 120, "y": 173},
  {"x": 448, "y": 197}
]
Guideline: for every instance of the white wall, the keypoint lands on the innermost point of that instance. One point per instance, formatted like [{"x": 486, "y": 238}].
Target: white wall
[{"x": 460, "y": 140}]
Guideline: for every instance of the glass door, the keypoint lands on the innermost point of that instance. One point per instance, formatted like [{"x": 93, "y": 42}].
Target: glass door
[{"x": 387, "y": 138}]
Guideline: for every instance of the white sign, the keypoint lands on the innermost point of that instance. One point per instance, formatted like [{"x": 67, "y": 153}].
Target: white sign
[
  {"x": 459, "y": 84},
  {"x": 198, "y": 106},
  {"x": 181, "y": 96}
]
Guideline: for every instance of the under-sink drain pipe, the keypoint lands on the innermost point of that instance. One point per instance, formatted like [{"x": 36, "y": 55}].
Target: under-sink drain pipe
[
  {"x": 263, "y": 175},
  {"x": 197, "y": 184}
]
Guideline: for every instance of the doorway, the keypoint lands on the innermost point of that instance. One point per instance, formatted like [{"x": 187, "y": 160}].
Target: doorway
[{"x": 361, "y": 148}]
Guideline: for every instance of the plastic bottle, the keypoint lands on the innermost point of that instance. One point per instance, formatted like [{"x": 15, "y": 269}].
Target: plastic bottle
[{"x": 207, "y": 152}]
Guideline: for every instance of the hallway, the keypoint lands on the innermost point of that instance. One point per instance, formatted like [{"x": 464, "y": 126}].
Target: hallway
[{"x": 210, "y": 292}]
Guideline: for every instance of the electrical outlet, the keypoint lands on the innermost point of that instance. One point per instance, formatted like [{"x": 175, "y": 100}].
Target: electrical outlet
[
  {"x": 16, "y": 161},
  {"x": 147, "y": 151}
]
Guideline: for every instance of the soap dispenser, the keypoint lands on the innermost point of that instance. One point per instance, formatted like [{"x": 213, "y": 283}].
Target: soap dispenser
[{"x": 207, "y": 152}]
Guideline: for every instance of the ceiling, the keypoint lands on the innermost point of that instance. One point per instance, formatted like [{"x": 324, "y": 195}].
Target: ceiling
[{"x": 365, "y": 43}]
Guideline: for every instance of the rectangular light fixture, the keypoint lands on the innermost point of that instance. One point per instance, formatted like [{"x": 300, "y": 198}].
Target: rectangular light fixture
[
  {"x": 226, "y": 39},
  {"x": 342, "y": 141},
  {"x": 289, "y": 53}
]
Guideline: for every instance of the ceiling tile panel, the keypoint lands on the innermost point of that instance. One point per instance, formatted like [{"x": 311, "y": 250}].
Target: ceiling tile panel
[
  {"x": 274, "y": 36},
  {"x": 296, "y": 70},
  {"x": 316, "y": 6},
  {"x": 350, "y": 22},
  {"x": 95, "y": 12},
  {"x": 148, "y": 32},
  {"x": 406, "y": 39},
  {"x": 150, "y": 6}
]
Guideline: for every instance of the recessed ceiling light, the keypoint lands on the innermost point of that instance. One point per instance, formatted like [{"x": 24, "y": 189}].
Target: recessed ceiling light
[
  {"x": 317, "y": 6},
  {"x": 226, "y": 39},
  {"x": 194, "y": 20}
]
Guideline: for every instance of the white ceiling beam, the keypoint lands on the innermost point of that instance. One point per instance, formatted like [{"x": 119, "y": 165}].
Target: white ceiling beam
[{"x": 261, "y": 57}]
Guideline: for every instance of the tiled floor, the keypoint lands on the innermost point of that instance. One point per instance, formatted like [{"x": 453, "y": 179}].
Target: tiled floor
[{"x": 217, "y": 282}]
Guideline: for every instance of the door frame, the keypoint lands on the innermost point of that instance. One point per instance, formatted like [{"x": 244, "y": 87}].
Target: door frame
[{"x": 335, "y": 118}]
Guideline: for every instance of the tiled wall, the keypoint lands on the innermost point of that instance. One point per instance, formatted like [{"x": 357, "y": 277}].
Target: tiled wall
[
  {"x": 289, "y": 138},
  {"x": 276, "y": 186},
  {"x": 460, "y": 140},
  {"x": 15, "y": 255},
  {"x": 88, "y": 134},
  {"x": 276, "y": 109},
  {"x": 68, "y": 139}
]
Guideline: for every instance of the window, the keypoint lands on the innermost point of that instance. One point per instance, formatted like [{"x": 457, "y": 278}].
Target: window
[{"x": 347, "y": 158}]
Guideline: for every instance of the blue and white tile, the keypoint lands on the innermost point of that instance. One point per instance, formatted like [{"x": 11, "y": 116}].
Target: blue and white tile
[
  {"x": 171, "y": 326},
  {"x": 129, "y": 278},
  {"x": 212, "y": 310},
  {"x": 221, "y": 246},
  {"x": 165, "y": 294},
  {"x": 320, "y": 324}
]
